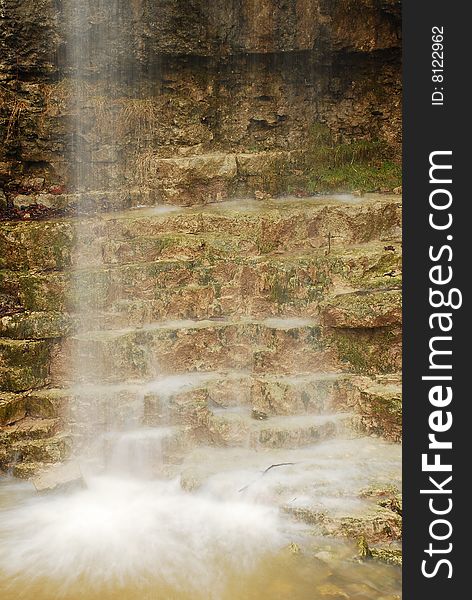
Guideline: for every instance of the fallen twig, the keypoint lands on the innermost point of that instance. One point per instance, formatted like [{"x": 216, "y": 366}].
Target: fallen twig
[{"x": 265, "y": 471}]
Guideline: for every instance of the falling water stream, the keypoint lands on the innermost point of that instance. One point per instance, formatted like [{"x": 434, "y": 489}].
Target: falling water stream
[{"x": 157, "y": 518}]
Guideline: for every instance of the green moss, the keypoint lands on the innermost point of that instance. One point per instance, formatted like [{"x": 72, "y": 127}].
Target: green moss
[
  {"x": 24, "y": 364},
  {"x": 36, "y": 325},
  {"x": 364, "y": 177},
  {"x": 279, "y": 292},
  {"x": 379, "y": 406},
  {"x": 314, "y": 338},
  {"x": 217, "y": 289},
  {"x": 265, "y": 244},
  {"x": 363, "y": 165},
  {"x": 43, "y": 292},
  {"x": 43, "y": 245},
  {"x": 387, "y": 412},
  {"x": 350, "y": 352},
  {"x": 369, "y": 351},
  {"x": 363, "y": 548},
  {"x": 205, "y": 277},
  {"x": 51, "y": 246},
  {"x": 315, "y": 293},
  {"x": 320, "y": 135},
  {"x": 389, "y": 556}
]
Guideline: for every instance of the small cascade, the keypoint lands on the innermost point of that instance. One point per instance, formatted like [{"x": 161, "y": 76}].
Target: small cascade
[{"x": 242, "y": 429}]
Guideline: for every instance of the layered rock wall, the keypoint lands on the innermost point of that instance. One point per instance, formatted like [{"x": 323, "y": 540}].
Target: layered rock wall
[{"x": 177, "y": 79}]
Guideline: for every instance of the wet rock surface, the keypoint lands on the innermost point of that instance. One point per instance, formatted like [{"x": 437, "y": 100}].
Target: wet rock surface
[{"x": 219, "y": 292}]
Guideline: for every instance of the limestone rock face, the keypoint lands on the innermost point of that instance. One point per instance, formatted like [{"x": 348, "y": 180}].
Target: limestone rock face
[
  {"x": 12, "y": 408},
  {"x": 379, "y": 405},
  {"x": 147, "y": 28},
  {"x": 186, "y": 81},
  {"x": 364, "y": 309}
]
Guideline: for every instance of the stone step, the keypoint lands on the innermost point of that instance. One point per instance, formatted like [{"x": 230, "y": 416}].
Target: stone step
[
  {"x": 28, "y": 428},
  {"x": 12, "y": 408},
  {"x": 278, "y": 413},
  {"x": 34, "y": 452},
  {"x": 181, "y": 178},
  {"x": 377, "y": 402},
  {"x": 284, "y": 283},
  {"x": 270, "y": 346},
  {"x": 262, "y": 396},
  {"x": 365, "y": 520},
  {"x": 316, "y": 393},
  {"x": 169, "y": 398},
  {"x": 24, "y": 364},
  {"x": 34, "y": 440},
  {"x": 38, "y": 441},
  {"x": 230, "y": 427},
  {"x": 63, "y": 477},
  {"x": 201, "y": 178},
  {"x": 237, "y": 226},
  {"x": 160, "y": 445},
  {"x": 286, "y": 346},
  {"x": 274, "y": 345},
  {"x": 367, "y": 351}
]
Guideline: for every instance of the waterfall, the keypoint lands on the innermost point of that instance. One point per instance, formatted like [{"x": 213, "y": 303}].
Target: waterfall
[{"x": 215, "y": 375}]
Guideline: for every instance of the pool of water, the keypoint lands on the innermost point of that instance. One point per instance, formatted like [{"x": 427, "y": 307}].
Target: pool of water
[{"x": 131, "y": 539}]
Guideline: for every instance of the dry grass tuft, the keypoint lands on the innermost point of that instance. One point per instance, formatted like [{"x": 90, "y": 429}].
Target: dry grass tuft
[
  {"x": 140, "y": 116},
  {"x": 14, "y": 110},
  {"x": 144, "y": 169}
]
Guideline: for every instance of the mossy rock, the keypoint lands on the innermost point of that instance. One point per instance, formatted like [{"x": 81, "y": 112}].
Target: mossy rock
[
  {"x": 376, "y": 524},
  {"x": 28, "y": 429},
  {"x": 389, "y": 555},
  {"x": 39, "y": 292},
  {"x": 378, "y": 404},
  {"x": 24, "y": 364},
  {"x": 48, "y": 403},
  {"x": 364, "y": 309},
  {"x": 382, "y": 524},
  {"x": 51, "y": 450},
  {"x": 36, "y": 245},
  {"x": 36, "y": 325},
  {"x": 12, "y": 408},
  {"x": 368, "y": 350}
]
